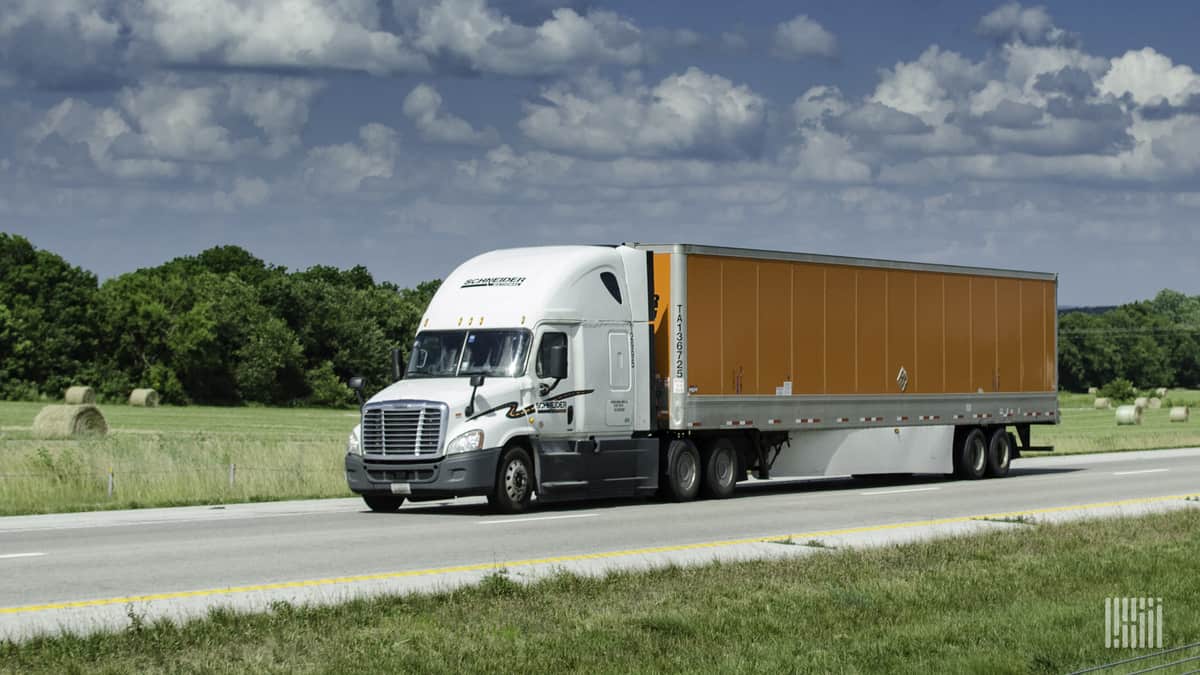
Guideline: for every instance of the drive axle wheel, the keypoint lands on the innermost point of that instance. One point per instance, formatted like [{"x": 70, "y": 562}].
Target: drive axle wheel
[
  {"x": 682, "y": 479},
  {"x": 513, "y": 490},
  {"x": 720, "y": 469},
  {"x": 383, "y": 503}
]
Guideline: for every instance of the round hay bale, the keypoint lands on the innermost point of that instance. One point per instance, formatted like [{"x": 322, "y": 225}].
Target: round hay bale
[
  {"x": 64, "y": 421},
  {"x": 1093, "y": 390},
  {"x": 1102, "y": 403},
  {"x": 1179, "y": 413},
  {"x": 1141, "y": 402},
  {"x": 1155, "y": 403},
  {"x": 80, "y": 396},
  {"x": 1129, "y": 414},
  {"x": 144, "y": 398},
  {"x": 1161, "y": 392}
]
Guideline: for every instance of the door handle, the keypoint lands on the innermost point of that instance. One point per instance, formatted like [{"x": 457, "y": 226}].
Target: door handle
[{"x": 570, "y": 414}]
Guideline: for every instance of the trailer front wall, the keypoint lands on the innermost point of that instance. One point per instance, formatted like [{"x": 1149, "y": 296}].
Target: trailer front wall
[{"x": 753, "y": 325}]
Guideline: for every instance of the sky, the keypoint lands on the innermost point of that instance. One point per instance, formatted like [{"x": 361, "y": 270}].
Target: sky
[{"x": 409, "y": 135}]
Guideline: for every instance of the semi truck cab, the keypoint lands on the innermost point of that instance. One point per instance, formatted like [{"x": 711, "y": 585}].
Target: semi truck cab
[{"x": 530, "y": 372}]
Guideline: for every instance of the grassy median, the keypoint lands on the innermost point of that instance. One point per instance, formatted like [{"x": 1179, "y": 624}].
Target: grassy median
[{"x": 1025, "y": 600}]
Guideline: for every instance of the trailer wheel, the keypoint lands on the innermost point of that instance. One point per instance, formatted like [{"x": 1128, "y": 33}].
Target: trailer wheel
[
  {"x": 720, "y": 469},
  {"x": 999, "y": 453},
  {"x": 970, "y": 457},
  {"x": 513, "y": 490},
  {"x": 383, "y": 503},
  {"x": 683, "y": 471}
]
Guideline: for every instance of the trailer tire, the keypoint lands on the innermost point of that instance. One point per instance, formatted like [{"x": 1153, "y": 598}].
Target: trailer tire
[
  {"x": 383, "y": 503},
  {"x": 1000, "y": 450},
  {"x": 970, "y": 456},
  {"x": 682, "y": 478},
  {"x": 513, "y": 489},
  {"x": 720, "y": 469}
]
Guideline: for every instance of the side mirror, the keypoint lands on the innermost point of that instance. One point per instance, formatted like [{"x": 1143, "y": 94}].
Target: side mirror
[
  {"x": 476, "y": 383},
  {"x": 357, "y": 384},
  {"x": 397, "y": 371},
  {"x": 557, "y": 365}
]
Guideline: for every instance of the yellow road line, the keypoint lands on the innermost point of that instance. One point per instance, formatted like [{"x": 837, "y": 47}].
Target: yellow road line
[{"x": 234, "y": 590}]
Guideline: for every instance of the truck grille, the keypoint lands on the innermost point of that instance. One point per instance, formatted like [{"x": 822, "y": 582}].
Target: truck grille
[{"x": 404, "y": 428}]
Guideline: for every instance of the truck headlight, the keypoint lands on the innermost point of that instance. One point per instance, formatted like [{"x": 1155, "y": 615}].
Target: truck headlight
[
  {"x": 468, "y": 442},
  {"x": 354, "y": 444}
]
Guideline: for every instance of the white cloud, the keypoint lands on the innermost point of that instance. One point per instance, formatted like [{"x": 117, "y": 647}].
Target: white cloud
[
  {"x": 690, "y": 114},
  {"x": 1032, "y": 25},
  {"x": 1148, "y": 76},
  {"x": 344, "y": 168},
  {"x": 423, "y": 106},
  {"x": 484, "y": 40},
  {"x": 276, "y": 33},
  {"x": 277, "y": 106},
  {"x": 802, "y": 37}
]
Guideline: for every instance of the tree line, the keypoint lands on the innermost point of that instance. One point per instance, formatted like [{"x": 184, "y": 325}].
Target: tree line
[
  {"x": 1152, "y": 343},
  {"x": 222, "y": 327}
]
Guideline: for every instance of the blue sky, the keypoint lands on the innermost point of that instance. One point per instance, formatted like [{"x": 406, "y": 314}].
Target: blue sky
[{"x": 407, "y": 135}]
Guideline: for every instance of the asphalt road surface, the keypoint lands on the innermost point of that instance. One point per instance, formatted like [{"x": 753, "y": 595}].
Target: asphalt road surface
[{"x": 91, "y": 570}]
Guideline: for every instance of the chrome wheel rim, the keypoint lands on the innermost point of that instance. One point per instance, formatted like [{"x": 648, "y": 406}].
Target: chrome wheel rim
[
  {"x": 516, "y": 480},
  {"x": 724, "y": 468},
  {"x": 686, "y": 468}
]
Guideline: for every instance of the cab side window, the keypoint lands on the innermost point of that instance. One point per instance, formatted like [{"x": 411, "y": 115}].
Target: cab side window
[{"x": 549, "y": 341}]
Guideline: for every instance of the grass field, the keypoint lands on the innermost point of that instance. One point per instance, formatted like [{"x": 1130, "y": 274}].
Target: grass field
[
  {"x": 1026, "y": 600},
  {"x": 174, "y": 456},
  {"x": 1085, "y": 429}
]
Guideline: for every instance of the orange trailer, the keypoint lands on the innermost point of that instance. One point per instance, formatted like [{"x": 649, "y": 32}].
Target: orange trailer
[{"x": 780, "y": 342}]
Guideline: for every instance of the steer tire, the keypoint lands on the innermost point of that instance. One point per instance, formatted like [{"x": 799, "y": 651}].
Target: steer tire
[
  {"x": 1000, "y": 451},
  {"x": 720, "y": 469},
  {"x": 383, "y": 503},
  {"x": 683, "y": 469},
  {"x": 513, "y": 489},
  {"x": 970, "y": 457}
]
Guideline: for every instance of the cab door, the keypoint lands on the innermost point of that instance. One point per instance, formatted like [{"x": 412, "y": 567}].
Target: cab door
[{"x": 562, "y": 464}]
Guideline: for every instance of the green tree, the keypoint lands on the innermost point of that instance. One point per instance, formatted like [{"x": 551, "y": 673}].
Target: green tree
[{"x": 50, "y": 322}]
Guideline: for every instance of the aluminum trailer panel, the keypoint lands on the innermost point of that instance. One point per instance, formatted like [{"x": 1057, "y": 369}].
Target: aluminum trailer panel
[{"x": 776, "y": 340}]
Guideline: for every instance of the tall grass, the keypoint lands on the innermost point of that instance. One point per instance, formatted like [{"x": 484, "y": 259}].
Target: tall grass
[{"x": 173, "y": 456}]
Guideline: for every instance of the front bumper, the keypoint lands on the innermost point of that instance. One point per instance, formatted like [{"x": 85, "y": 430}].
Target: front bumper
[{"x": 469, "y": 474}]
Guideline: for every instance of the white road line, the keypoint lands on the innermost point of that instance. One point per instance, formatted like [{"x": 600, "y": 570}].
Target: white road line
[
  {"x": 896, "y": 492},
  {"x": 6, "y": 556},
  {"x": 529, "y": 520},
  {"x": 1130, "y": 473}
]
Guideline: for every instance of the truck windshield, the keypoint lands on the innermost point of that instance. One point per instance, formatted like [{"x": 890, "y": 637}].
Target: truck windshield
[{"x": 461, "y": 353}]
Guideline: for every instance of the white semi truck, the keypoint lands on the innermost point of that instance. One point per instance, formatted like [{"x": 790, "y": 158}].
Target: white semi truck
[{"x": 574, "y": 372}]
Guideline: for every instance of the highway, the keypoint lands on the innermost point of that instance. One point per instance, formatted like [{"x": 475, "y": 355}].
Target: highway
[{"x": 91, "y": 570}]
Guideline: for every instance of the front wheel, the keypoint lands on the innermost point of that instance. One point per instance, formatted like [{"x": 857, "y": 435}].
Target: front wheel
[
  {"x": 383, "y": 503},
  {"x": 513, "y": 490}
]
